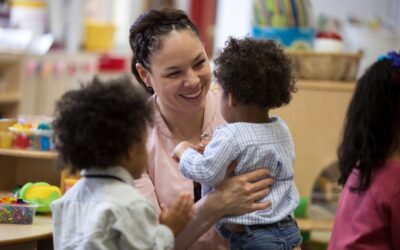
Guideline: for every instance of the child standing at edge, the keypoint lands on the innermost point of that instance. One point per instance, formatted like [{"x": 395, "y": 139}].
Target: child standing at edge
[
  {"x": 255, "y": 76},
  {"x": 368, "y": 214},
  {"x": 101, "y": 130}
]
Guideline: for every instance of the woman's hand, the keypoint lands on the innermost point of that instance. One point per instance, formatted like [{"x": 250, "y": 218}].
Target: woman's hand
[{"x": 237, "y": 195}]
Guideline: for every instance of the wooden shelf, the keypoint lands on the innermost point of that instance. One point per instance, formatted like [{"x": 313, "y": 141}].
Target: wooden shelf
[
  {"x": 325, "y": 85},
  {"x": 315, "y": 224},
  {"x": 6, "y": 98},
  {"x": 28, "y": 153},
  {"x": 9, "y": 58}
]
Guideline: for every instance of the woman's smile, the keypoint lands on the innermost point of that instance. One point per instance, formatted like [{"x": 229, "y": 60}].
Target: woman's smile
[{"x": 192, "y": 95}]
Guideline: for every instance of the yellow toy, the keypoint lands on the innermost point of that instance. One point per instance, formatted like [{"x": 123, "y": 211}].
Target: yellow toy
[{"x": 40, "y": 193}]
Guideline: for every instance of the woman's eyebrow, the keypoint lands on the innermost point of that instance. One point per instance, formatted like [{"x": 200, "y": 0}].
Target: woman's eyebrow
[
  {"x": 172, "y": 68},
  {"x": 177, "y": 67}
]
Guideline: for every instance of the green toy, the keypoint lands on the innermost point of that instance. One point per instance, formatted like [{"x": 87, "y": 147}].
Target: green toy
[{"x": 41, "y": 193}]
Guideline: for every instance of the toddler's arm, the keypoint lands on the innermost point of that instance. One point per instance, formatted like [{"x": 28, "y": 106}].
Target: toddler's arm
[
  {"x": 180, "y": 149},
  {"x": 210, "y": 167},
  {"x": 177, "y": 217},
  {"x": 184, "y": 145}
]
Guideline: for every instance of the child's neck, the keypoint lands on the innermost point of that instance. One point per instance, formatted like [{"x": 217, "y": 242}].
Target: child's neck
[{"x": 251, "y": 113}]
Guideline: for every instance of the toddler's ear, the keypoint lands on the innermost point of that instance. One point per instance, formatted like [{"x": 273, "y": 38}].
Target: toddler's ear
[{"x": 231, "y": 100}]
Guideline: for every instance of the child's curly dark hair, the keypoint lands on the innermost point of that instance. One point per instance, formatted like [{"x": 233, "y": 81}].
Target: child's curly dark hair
[
  {"x": 98, "y": 123},
  {"x": 255, "y": 72}
]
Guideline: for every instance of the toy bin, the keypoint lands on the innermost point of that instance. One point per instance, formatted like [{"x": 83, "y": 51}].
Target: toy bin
[
  {"x": 43, "y": 138},
  {"x": 99, "y": 37},
  {"x": 17, "y": 213},
  {"x": 327, "y": 66},
  {"x": 6, "y": 139}
]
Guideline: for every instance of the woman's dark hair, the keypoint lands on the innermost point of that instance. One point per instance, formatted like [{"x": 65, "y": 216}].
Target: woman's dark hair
[
  {"x": 372, "y": 125},
  {"x": 255, "y": 71},
  {"x": 98, "y": 123},
  {"x": 147, "y": 31}
]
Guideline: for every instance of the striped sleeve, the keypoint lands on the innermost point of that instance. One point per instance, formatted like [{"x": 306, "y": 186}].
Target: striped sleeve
[{"x": 209, "y": 169}]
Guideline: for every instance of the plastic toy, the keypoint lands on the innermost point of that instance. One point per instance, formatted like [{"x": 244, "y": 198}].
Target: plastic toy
[
  {"x": 40, "y": 193},
  {"x": 16, "y": 211}
]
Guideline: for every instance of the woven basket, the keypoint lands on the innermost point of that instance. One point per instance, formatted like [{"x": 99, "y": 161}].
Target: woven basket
[{"x": 325, "y": 66}]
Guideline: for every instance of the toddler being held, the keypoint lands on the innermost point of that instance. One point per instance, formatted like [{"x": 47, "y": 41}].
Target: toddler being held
[{"x": 255, "y": 76}]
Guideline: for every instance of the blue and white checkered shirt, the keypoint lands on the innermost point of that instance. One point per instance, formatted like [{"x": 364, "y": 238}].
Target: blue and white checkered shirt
[{"x": 253, "y": 145}]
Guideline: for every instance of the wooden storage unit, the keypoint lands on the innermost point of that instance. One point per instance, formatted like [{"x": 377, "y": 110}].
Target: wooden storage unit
[
  {"x": 315, "y": 117},
  {"x": 10, "y": 82},
  {"x": 18, "y": 167}
]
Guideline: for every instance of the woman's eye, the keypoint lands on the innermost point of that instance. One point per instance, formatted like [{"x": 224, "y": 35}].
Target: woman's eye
[
  {"x": 199, "y": 64},
  {"x": 174, "y": 74}
]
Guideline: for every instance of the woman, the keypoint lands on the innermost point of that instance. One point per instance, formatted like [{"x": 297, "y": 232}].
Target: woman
[{"x": 170, "y": 61}]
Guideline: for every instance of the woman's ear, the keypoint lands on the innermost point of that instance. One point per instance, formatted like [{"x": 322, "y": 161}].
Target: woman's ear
[
  {"x": 143, "y": 74},
  {"x": 231, "y": 100}
]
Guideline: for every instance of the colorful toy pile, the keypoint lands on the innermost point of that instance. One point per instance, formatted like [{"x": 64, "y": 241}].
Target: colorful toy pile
[
  {"x": 32, "y": 132},
  {"x": 16, "y": 211}
]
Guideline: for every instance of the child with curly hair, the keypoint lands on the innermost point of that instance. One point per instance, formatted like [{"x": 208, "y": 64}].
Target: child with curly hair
[
  {"x": 367, "y": 216},
  {"x": 255, "y": 77},
  {"x": 100, "y": 129}
]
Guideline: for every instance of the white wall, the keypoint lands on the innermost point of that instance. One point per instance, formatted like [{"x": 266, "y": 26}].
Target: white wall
[
  {"x": 233, "y": 19},
  {"x": 124, "y": 12}
]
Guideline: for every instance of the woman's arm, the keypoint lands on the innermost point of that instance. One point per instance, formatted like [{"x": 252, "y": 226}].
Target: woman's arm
[{"x": 234, "y": 195}]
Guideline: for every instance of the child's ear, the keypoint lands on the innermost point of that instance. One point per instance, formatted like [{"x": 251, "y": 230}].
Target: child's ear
[
  {"x": 231, "y": 100},
  {"x": 132, "y": 152},
  {"x": 143, "y": 73}
]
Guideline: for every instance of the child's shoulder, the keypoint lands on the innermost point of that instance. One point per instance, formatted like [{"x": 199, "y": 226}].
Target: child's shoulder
[
  {"x": 390, "y": 172},
  {"x": 123, "y": 193},
  {"x": 386, "y": 180},
  {"x": 279, "y": 121},
  {"x": 227, "y": 130}
]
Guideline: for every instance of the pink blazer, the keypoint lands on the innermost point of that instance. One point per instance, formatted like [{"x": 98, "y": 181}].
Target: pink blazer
[{"x": 162, "y": 183}]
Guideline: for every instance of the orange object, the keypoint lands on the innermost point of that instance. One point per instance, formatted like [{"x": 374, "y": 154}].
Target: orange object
[{"x": 69, "y": 182}]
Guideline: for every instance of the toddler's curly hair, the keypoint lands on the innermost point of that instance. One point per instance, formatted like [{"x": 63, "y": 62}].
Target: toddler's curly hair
[
  {"x": 98, "y": 123},
  {"x": 255, "y": 72}
]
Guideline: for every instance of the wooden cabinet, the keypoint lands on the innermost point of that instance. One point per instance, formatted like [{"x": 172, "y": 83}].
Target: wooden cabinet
[
  {"x": 18, "y": 167},
  {"x": 10, "y": 81},
  {"x": 315, "y": 117}
]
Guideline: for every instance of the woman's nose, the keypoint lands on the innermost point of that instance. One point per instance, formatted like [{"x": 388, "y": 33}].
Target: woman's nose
[{"x": 192, "y": 78}]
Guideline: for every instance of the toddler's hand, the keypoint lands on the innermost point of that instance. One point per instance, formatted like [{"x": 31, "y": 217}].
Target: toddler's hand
[
  {"x": 179, "y": 215},
  {"x": 205, "y": 139},
  {"x": 180, "y": 149}
]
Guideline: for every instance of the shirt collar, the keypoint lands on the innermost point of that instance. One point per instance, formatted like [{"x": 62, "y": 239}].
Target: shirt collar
[{"x": 117, "y": 171}]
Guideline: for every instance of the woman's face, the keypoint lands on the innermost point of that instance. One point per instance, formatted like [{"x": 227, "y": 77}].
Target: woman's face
[{"x": 180, "y": 72}]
